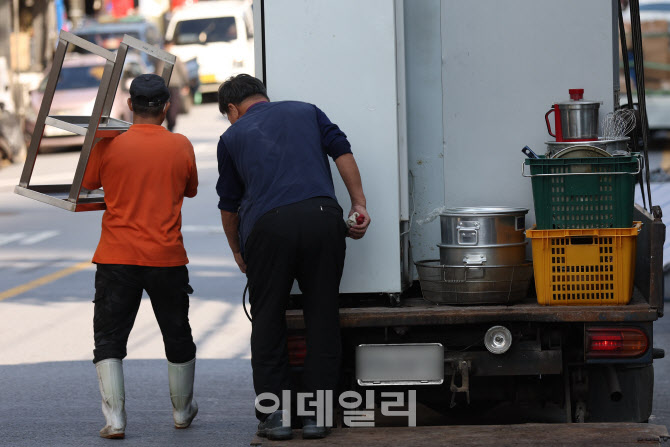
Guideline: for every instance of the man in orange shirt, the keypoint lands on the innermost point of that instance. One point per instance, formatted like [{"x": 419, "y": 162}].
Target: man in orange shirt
[{"x": 145, "y": 172}]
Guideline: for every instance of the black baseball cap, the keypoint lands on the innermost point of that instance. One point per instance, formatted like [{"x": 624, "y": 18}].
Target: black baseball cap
[{"x": 149, "y": 90}]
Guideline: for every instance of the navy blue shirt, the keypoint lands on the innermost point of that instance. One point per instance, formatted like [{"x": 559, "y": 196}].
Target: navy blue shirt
[{"x": 275, "y": 155}]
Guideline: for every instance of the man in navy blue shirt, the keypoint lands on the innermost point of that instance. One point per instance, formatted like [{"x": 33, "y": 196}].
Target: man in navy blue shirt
[{"x": 283, "y": 223}]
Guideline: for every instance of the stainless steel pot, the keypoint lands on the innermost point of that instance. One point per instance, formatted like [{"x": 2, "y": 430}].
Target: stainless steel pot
[
  {"x": 483, "y": 236},
  {"x": 575, "y": 120},
  {"x": 481, "y": 255},
  {"x": 579, "y": 120}
]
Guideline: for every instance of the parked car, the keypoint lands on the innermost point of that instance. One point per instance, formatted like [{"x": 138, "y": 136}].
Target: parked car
[
  {"x": 219, "y": 34},
  {"x": 75, "y": 95},
  {"x": 12, "y": 145},
  {"x": 110, "y": 34}
]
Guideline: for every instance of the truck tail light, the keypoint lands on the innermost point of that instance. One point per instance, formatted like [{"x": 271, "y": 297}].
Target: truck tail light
[
  {"x": 602, "y": 342},
  {"x": 297, "y": 349}
]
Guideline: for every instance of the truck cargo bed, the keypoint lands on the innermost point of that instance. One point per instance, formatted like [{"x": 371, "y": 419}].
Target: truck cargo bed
[
  {"x": 418, "y": 312},
  {"x": 645, "y": 305},
  {"x": 547, "y": 435}
]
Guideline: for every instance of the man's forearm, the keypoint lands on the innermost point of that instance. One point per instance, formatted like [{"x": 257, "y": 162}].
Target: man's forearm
[
  {"x": 346, "y": 165},
  {"x": 230, "y": 222}
]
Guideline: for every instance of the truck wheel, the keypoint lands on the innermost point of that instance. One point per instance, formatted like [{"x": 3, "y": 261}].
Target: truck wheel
[{"x": 632, "y": 404}]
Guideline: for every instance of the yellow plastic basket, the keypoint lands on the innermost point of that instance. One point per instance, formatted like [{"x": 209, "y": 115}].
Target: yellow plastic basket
[{"x": 584, "y": 266}]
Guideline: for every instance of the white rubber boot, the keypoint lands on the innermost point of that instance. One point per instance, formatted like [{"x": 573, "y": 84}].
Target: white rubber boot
[
  {"x": 112, "y": 390},
  {"x": 184, "y": 407}
]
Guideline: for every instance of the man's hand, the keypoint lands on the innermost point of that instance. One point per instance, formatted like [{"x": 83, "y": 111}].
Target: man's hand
[
  {"x": 348, "y": 169},
  {"x": 240, "y": 262},
  {"x": 358, "y": 231},
  {"x": 230, "y": 222}
]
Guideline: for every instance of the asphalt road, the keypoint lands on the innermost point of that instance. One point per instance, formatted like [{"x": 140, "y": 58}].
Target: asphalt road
[
  {"x": 48, "y": 387},
  {"x": 49, "y": 392}
]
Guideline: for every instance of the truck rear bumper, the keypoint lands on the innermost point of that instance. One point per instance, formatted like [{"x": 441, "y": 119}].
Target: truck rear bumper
[{"x": 417, "y": 312}]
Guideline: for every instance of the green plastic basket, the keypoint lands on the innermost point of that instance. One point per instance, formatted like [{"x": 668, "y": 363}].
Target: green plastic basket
[{"x": 570, "y": 193}]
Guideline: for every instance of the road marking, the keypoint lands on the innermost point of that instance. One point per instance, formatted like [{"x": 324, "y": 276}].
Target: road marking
[
  {"x": 27, "y": 238},
  {"x": 18, "y": 290},
  {"x": 208, "y": 164},
  {"x": 202, "y": 229},
  {"x": 7, "y": 238},
  {"x": 39, "y": 237},
  {"x": 61, "y": 177}
]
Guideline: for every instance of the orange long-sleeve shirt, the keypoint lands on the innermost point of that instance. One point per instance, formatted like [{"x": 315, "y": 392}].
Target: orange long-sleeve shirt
[{"x": 145, "y": 174}]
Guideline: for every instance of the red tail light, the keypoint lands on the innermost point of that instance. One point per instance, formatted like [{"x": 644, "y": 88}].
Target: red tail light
[
  {"x": 615, "y": 342},
  {"x": 297, "y": 349}
]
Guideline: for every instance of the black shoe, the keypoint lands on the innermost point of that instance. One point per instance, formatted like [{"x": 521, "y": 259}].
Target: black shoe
[
  {"x": 312, "y": 431},
  {"x": 273, "y": 427}
]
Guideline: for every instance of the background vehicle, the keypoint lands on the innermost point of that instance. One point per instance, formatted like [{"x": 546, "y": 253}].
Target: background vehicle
[
  {"x": 437, "y": 112},
  {"x": 110, "y": 34},
  {"x": 218, "y": 34},
  {"x": 76, "y": 92},
  {"x": 12, "y": 144}
]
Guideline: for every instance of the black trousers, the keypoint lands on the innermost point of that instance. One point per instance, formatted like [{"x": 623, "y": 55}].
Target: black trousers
[
  {"x": 118, "y": 292},
  {"x": 303, "y": 241}
]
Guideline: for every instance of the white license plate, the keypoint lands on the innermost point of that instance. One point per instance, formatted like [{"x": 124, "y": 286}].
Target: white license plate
[{"x": 400, "y": 364}]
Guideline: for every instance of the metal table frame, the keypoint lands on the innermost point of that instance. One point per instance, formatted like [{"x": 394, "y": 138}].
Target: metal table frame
[{"x": 95, "y": 127}]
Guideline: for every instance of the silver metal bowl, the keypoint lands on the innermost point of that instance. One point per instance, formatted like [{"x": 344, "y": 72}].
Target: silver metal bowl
[
  {"x": 616, "y": 146},
  {"x": 446, "y": 284},
  {"x": 582, "y": 151}
]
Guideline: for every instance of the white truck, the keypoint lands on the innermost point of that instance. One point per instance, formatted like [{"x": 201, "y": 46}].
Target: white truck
[
  {"x": 218, "y": 34},
  {"x": 437, "y": 99}
]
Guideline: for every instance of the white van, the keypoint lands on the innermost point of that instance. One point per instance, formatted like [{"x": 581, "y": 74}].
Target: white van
[{"x": 219, "y": 34}]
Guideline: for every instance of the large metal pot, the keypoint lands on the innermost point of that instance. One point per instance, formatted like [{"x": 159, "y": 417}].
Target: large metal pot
[
  {"x": 494, "y": 255},
  {"x": 483, "y": 236}
]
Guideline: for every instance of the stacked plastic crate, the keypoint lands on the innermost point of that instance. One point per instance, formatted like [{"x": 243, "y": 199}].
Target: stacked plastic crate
[{"x": 585, "y": 238}]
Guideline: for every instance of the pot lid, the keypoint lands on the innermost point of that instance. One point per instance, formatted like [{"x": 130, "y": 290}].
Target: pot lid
[
  {"x": 483, "y": 211},
  {"x": 577, "y": 99}
]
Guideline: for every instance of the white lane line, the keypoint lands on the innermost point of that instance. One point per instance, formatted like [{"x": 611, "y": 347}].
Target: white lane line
[
  {"x": 234, "y": 337},
  {"x": 208, "y": 164},
  {"x": 19, "y": 265},
  {"x": 202, "y": 229},
  {"x": 39, "y": 237},
  {"x": 7, "y": 238},
  {"x": 205, "y": 148},
  {"x": 61, "y": 177}
]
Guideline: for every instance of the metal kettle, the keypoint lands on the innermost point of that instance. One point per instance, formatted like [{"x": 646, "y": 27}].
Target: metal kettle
[{"x": 574, "y": 120}]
